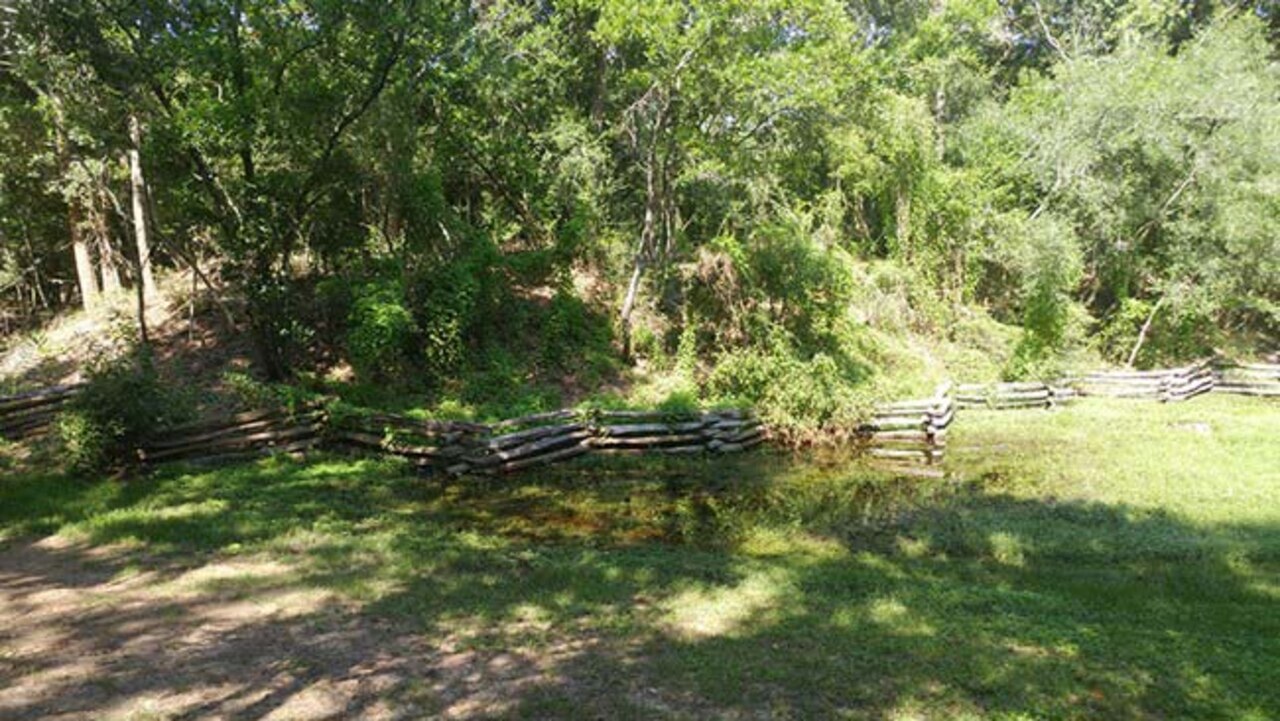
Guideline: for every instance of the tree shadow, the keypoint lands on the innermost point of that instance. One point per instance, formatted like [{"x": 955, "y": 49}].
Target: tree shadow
[{"x": 341, "y": 589}]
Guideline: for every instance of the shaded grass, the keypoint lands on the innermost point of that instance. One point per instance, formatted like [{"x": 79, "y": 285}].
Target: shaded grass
[{"x": 1107, "y": 560}]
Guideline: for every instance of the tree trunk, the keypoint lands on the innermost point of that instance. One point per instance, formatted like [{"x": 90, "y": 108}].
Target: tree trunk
[
  {"x": 1142, "y": 334},
  {"x": 106, "y": 254},
  {"x": 84, "y": 261},
  {"x": 138, "y": 188},
  {"x": 648, "y": 234},
  {"x": 628, "y": 305},
  {"x": 88, "y": 282}
]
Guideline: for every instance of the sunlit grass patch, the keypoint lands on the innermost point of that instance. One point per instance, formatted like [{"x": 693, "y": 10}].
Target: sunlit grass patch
[{"x": 1061, "y": 569}]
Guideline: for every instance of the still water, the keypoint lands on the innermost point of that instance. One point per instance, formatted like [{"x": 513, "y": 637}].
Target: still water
[{"x": 704, "y": 501}]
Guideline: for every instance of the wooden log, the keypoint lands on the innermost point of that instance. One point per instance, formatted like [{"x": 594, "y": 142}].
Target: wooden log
[
  {"x": 527, "y": 450},
  {"x": 899, "y": 453},
  {"x": 41, "y": 417},
  {"x": 673, "y": 439},
  {"x": 943, "y": 420},
  {"x": 1269, "y": 367},
  {"x": 922, "y": 436},
  {"x": 738, "y": 447},
  {"x": 1193, "y": 382},
  {"x": 251, "y": 439},
  {"x": 894, "y": 424},
  {"x": 1120, "y": 392},
  {"x": 28, "y": 423},
  {"x": 44, "y": 409},
  {"x": 173, "y": 440},
  {"x": 1097, "y": 380},
  {"x": 648, "y": 429},
  {"x": 521, "y": 437},
  {"x": 407, "y": 435},
  {"x": 536, "y": 419},
  {"x": 683, "y": 450},
  {"x": 903, "y": 446},
  {"x": 724, "y": 429},
  {"x": 745, "y": 435},
  {"x": 552, "y": 457},
  {"x": 891, "y": 417},
  {"x": 1019, "y": 405},
  {"x": 920, "y": 405},
  {"x": 209, "y": 424},
  {"x": 661, "y": 416},
  {"x": 26, "y": 433},
  {"x": 980, "y": 390},
  {"x": 1039, "y": 394},
  {"x": 1188, "y": 394},
  {"x": 1155, "y": 374},
  {"x": 380, "y": 443},
  {"x": 40, "y": 397},
  {"x": 236, "y": 455}
]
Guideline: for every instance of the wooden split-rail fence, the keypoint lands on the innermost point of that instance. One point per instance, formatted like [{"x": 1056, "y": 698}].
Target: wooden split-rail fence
[
  {"x": 544, "y": 438},
  {"x": 456, "y": 446},
  {"x": 1180, "y": 384},
  {"x": 1165, "y": 385},
  {"x": 27, "y": 415},
  {"x": 1008, "y": 396},
  {"x": 244, "y": 435},
  {"x": 1247, "y": 379},
  {"x": 911, "y": 430}
]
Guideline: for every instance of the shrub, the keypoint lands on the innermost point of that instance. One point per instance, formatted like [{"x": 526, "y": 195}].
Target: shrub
[
  {"x": 121, "y": 405},
  {"x": 572, "y": 331},
  {"x": 381, "y": 332},
  {"x": 792, "y": 393},
  {"x": 445, "y": 302}
]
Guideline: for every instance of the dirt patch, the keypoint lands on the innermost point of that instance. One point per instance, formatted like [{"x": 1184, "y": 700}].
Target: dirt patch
[{"x": 103, "y": 634}]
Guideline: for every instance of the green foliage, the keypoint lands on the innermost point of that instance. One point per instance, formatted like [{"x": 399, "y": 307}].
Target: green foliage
[
  {"x": 255, "y": 393},
  {"x": 122, "y": 403},
  {"x": 469, "y": 189},
  {"x": 791, "y": 392},
  {"x": 574, "y": 337},
  {"x": 446, "y": 302},
  {"x": 382, "y": 331}
]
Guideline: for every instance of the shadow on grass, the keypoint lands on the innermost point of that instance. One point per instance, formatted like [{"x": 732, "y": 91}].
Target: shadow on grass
[{"x": 354, "y": 589}]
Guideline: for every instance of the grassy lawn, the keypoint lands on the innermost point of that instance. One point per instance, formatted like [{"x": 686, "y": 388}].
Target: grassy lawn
[{"x": 1108, "y": 560}]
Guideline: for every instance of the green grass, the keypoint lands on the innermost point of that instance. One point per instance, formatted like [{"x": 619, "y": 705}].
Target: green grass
[{"x": 1109, "y": 560}]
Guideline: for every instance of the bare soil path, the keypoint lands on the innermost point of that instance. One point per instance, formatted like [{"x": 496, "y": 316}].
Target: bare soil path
[{"x": 88, "y": 633}]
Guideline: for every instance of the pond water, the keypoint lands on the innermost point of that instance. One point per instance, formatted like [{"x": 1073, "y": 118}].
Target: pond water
[{"x": 705, "y": 501}]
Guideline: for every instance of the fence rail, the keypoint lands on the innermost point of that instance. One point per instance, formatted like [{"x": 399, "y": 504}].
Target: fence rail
[
  {"x": 911, "y": 430},
  {"x": 27, "y": 415},
  {"x": 1004, "y": 396},
  {"x": 1249, "y": 379},
  {"x": 1172, "y": 384},
  {"x": 521, "y": 443},
  {"x": 461, "y": 447}
]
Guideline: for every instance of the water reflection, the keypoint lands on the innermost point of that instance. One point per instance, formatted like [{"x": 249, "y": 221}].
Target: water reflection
[{"x": 709, "y": 502}]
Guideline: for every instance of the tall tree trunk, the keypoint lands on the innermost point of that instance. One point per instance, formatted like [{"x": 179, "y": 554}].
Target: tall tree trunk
[
  {"x": 106, "y": 253},
  {"x": 138, "y": 188},
  {"x": 85, "y": 277},
  {"x": 84, "y": 260},
  {"x": 648, "y": 235}
]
